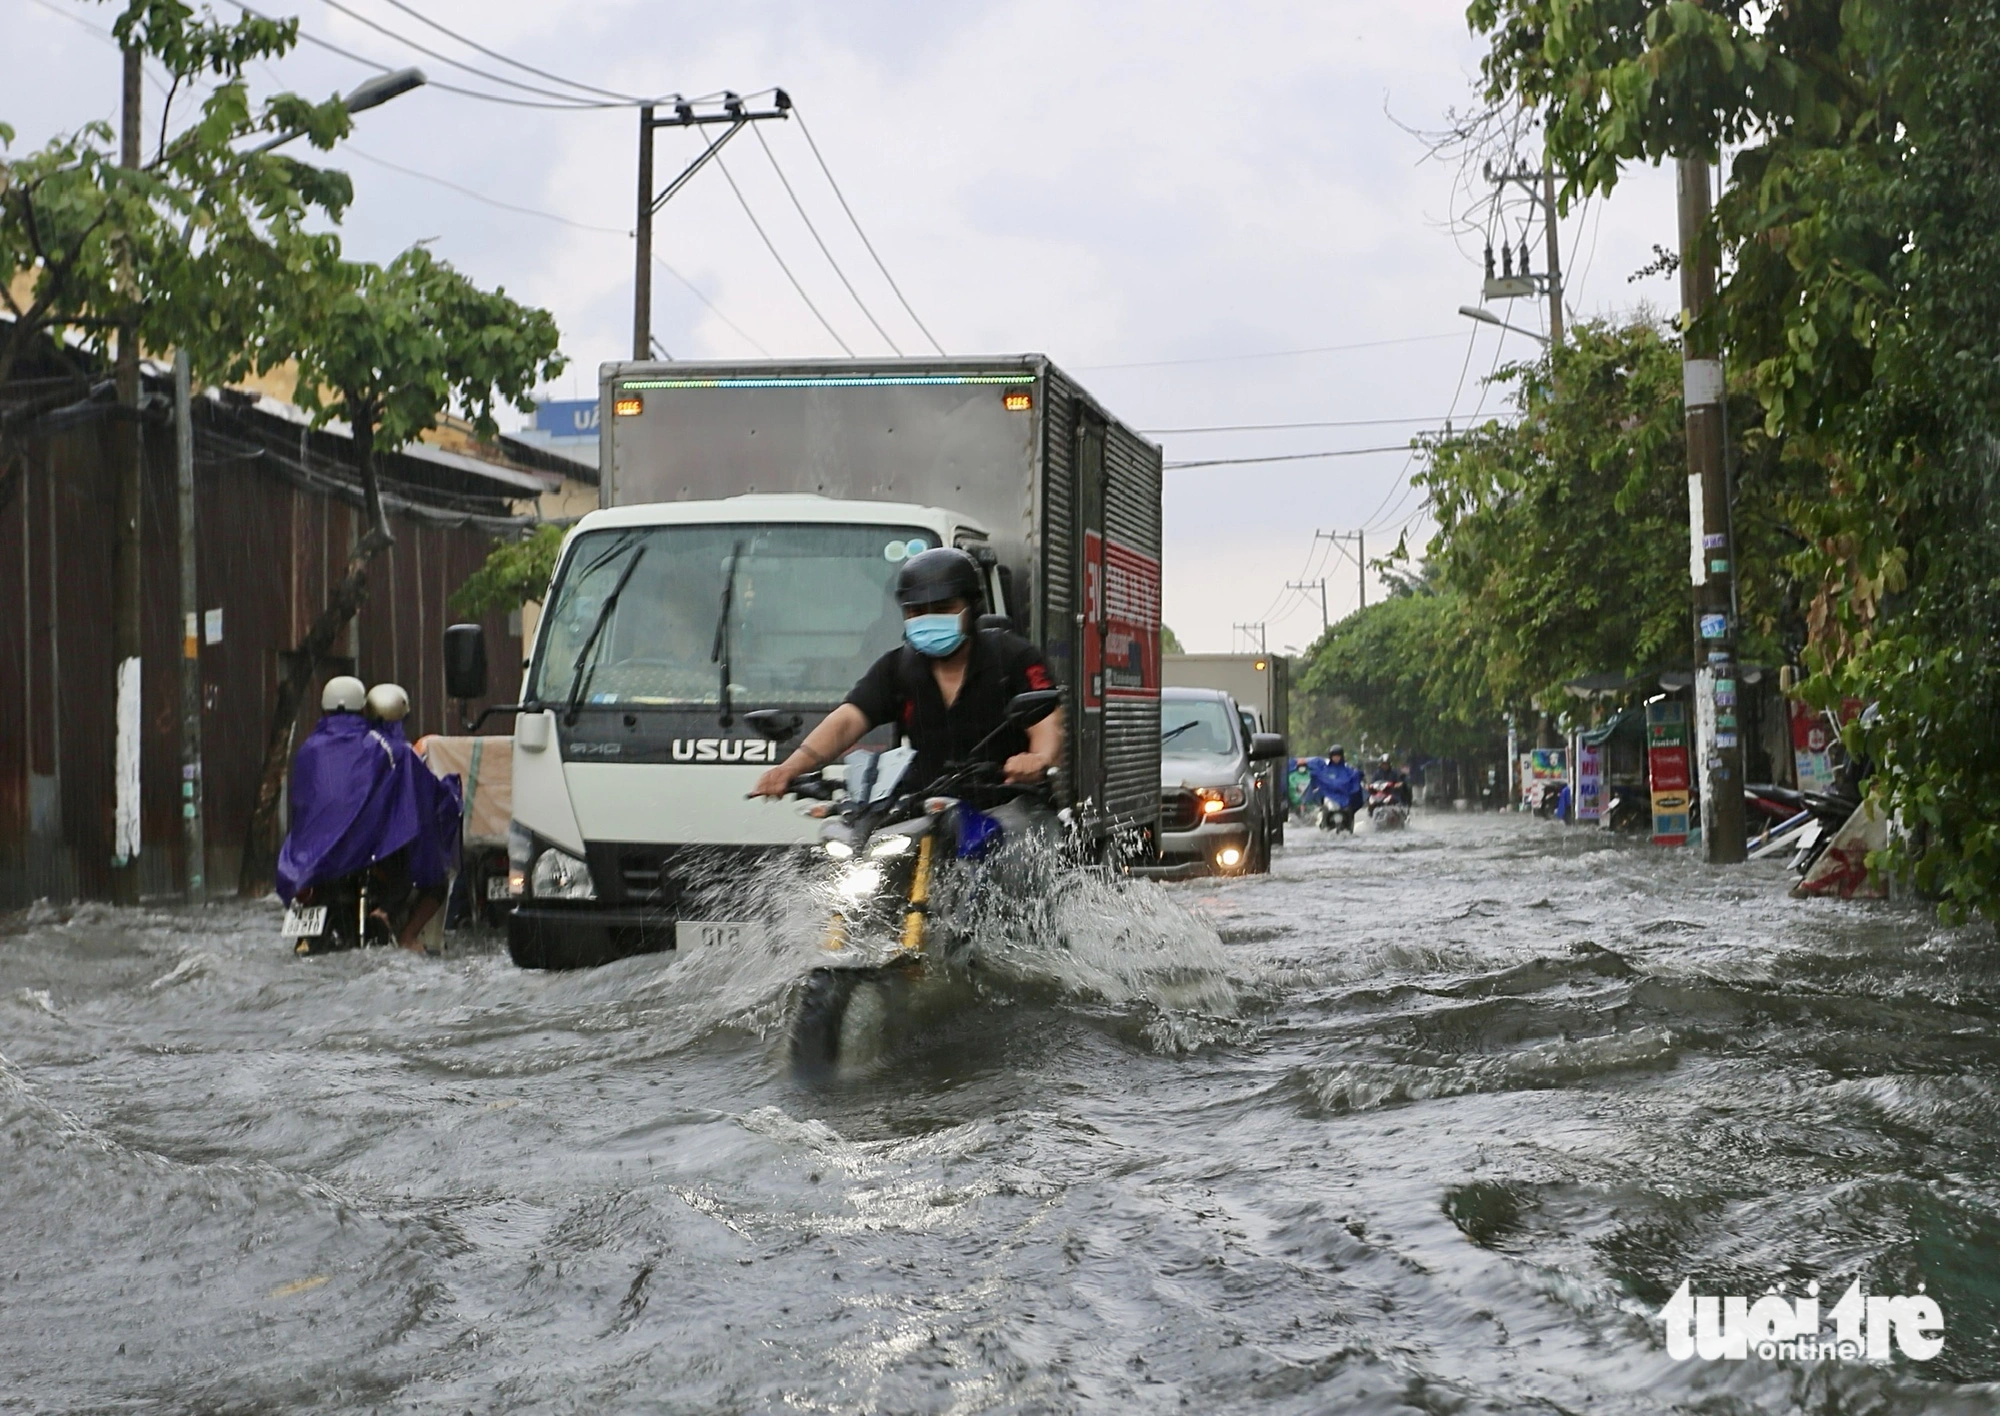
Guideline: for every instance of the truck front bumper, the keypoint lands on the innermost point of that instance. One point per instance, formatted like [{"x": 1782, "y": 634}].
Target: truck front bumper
[{"x": 581, "y": 934}]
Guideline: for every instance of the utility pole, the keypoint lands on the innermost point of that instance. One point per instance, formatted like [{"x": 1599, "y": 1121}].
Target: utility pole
[
  {"x": 1512, "y": 285},
  {"x": 128, "y": 500},
  {"x": 1255, "y": 631},
  {"x": 1711, "y": 563},
  {"x": 193, "y": 837},
  {"x": 1359, "y": 555},
  {"x": 1304, "y": 585},
  {"x": 737, "y": 117}
]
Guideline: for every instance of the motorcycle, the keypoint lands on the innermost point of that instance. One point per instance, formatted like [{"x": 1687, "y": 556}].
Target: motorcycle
[
  {"x": 1335, "y": 818},
  {"x": 885, "y": 947},
  {"x": 1802, "y": 823},
  {"x": 362, "y": 910},
  {"x": 1388, "y": 805}
]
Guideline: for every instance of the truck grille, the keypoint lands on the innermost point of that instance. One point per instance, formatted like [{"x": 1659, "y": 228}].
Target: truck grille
[{"x": 1176, "y": 810}]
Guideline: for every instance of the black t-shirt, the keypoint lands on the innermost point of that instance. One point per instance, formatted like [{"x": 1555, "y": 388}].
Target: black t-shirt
[{"x": 900, "y": 688}]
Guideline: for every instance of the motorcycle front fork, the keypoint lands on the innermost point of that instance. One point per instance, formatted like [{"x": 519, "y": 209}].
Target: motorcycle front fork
[{"x": 916, "y": 910}]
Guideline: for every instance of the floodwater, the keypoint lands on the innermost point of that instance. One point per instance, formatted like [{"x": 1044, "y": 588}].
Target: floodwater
[{"x": 1426, "y": 1122}]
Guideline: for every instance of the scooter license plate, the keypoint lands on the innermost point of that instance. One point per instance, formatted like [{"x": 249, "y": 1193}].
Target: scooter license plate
[
  {"x": 304, "y": 922},
  {"x": 717, "y": 933}
]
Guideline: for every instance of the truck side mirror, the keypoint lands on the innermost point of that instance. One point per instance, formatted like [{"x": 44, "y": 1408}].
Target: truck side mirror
[
  {"x": 465, "y": 661},
  {"x": 1024, "y": 710},
  {"x": 1266, "y": 747},
  {"x": 774, "y": 723}
]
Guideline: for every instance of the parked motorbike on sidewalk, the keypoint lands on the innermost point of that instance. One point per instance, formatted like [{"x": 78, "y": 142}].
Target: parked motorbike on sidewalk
[{"x": 885, "y": 951}]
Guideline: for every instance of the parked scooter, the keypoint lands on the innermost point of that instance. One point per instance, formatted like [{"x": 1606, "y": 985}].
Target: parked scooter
[{"x": 884, "y": 946}]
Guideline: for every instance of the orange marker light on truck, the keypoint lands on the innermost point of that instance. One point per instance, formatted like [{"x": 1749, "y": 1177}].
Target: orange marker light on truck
[
  {"x": 630, "y": 406},
  {"x": 1017, "y": 401}
]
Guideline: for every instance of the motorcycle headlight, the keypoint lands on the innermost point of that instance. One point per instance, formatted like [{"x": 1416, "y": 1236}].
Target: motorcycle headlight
[
  {"x": 838, "y": 850},
  {"x": 860, "y": 881},
  {"x": 890, "y": 846},
  {"x": 558, "y": 875}
]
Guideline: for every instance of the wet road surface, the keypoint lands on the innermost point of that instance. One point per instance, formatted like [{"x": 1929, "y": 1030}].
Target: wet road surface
[{"x": 1425, "y": 1122}]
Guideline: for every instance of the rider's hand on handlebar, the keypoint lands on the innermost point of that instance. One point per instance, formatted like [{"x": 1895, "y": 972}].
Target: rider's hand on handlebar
[
  {"x": 775, "y": 782},
  {"x": 1025, "y": 769}
]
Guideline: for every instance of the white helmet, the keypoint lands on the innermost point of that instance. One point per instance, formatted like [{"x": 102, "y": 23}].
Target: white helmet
[
  {"x": 388, "y": 702},
  {"x": 344, "y": 694}
]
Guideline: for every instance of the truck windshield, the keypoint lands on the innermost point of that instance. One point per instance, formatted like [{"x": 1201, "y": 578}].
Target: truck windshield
[
  {"x": 1195, "y": 727},
  {"x": 812, "y": 607}
]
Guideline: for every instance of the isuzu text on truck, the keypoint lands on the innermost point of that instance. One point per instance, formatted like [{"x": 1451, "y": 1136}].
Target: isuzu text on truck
[{"x": 738, "y": 581}]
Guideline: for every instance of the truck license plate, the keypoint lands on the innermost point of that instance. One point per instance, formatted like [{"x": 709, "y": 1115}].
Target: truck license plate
[
  {"x": 496, "y": 888},
  {"x": 716, "y": 933},
  {"x": 304, "y": 922}
]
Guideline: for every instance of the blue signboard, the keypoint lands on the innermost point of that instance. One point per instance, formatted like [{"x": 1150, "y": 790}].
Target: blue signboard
[{"x": 569, "y": 418}]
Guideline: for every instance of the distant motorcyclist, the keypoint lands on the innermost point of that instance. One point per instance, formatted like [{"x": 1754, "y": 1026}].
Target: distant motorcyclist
[
  {"x": 946, "y": 687},
  {"x": 418, "y": 875},
  {"x": 1389, "y": 775},
  {"x": 1338, "y": 785}
]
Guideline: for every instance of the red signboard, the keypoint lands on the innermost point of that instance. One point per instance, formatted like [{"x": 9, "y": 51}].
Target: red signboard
[{"x": 1121, "y": 609}]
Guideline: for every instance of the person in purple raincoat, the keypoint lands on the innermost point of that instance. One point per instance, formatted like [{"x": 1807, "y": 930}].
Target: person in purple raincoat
[{"x": 361, "y": 800}]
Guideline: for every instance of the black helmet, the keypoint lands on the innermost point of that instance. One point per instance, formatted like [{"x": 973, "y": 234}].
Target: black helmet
[
  {"x": 1336, "y": 751},
  {"x": 934, "y": 576}
]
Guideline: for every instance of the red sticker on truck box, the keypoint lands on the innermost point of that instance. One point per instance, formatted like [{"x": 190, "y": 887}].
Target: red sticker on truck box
[{"x": 1121, "y": 611}]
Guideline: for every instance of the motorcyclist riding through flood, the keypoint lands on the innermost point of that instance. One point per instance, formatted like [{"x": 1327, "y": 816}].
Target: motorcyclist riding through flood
[
  {"x": 1335, "y": 789},
  {"x": 976, "y": 709}
]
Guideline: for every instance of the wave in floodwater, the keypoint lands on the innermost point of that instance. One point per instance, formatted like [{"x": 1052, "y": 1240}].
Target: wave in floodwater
[{"x": 1427, "y": 1121}]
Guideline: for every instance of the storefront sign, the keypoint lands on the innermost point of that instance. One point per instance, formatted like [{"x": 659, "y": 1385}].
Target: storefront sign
[
  {"x": 1669, "y": 771},
  {"x": 1589, "y": 783}
]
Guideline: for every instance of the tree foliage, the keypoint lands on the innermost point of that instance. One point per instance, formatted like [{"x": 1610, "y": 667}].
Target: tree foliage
[
  {"x": 200, "y": 246},
  {"x": 1862, "y": 289},
  {"x": 515, "y": 572}
]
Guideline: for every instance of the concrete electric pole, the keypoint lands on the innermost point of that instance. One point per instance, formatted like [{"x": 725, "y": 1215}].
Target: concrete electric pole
[
  {"x": 1711, "y": 555},
  {"x": 1359, "y": 555},
  {"x": 127, "y": 502},
  {"x": 1320, "y": 584},
  {"x": 737, "y": 117}
]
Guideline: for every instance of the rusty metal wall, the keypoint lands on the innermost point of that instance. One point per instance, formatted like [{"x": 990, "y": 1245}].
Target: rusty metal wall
[{"x": 268, "y": 551}]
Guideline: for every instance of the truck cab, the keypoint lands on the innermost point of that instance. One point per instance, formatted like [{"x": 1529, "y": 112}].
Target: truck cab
[{"x": 684, "y": 648}]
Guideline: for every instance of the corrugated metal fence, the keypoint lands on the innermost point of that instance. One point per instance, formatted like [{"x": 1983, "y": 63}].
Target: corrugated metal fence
[{"x": 269, "y": 548}]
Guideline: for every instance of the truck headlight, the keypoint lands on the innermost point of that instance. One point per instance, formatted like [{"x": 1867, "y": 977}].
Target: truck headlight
[
  {"x": 558, "y": 875},
  {"x": 1214, "y": 799}
]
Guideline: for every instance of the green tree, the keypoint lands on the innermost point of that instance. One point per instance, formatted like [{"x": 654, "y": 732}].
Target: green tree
[
  {"x": 516, "y": 572},
  {"x": 1409, "y": 675},
  {"x": 1170, "y": 643},
  {"x": 1564, "y": 531},
  {"x": 1860, "y": 301},
  {"x": 392, "y": 348},
  {"x": 195, "y": 248}
]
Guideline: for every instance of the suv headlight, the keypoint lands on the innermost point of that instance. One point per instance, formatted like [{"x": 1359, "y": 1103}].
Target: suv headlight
[
  {"x": 558, "y": 875},
  {"x": 1214, "y": 799}
]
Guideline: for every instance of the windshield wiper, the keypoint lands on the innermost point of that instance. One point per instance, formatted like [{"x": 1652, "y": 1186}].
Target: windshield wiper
[
  {"x": 721, "y": 653},
  {"x": 1171, "y": 733},
  {"x": 579, "y": 679}
]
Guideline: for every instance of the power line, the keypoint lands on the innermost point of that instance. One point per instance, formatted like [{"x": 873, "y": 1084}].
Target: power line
[
  {"x": 1287, "y": 457},
  {"x": 772, "y": 248},
  {"x": 579, "y": 105},
  {"x": 799, "y": 206},
  {"x": 1269, "y": 354},
  {"x": 856, "y": 224},
  {"x": 444, "y": 58},
  {"x": 473, "y": 44},
  {"x": 482, "y": 197},
  {"x": 1276, "y": 427},
  {"x": 476, "y": 196}
]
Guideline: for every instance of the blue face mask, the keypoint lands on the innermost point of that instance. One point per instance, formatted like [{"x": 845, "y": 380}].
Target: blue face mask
[{"x": 935, "y": 635}]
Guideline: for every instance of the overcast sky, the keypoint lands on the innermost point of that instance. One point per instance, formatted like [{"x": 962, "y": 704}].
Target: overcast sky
[{"x": 1169, "y": 199}]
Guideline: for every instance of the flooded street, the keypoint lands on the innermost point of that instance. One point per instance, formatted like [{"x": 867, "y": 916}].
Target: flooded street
[{"x": 1426, "y": 1122}]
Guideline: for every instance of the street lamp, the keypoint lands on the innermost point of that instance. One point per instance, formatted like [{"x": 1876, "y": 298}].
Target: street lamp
[
  {"x": 371, "y": 93},
  {"x": 1473, "y": 312}
]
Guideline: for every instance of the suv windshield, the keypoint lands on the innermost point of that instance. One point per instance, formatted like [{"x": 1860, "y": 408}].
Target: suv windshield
[
  {"x": 1195, "y": 727},
  {"x": 812, "y": 607}
]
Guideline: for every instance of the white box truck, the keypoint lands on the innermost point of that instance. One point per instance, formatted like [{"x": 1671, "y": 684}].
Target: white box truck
[{"x": 737, "y": 581}]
